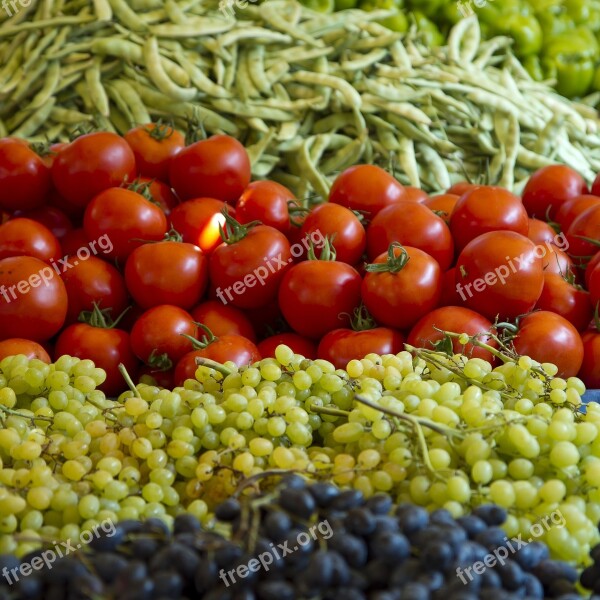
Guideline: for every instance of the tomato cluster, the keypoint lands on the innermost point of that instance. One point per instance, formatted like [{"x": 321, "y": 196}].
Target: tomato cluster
[{"x": 145, "y": 251}]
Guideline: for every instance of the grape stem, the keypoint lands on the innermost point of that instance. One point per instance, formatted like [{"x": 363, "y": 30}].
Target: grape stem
[
  {"x": 212, "y": 364},
  {"x": 16, "y": 413},
  {"x": 129, "y": 381},
  {"x": 325, "y": 410}
]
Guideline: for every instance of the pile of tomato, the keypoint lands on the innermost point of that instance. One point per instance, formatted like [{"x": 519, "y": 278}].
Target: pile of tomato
[{"x": 145, "y": 251}]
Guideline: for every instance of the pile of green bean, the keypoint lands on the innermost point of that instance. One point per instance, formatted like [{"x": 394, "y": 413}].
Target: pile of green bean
[{"x": 308, "y": 93}]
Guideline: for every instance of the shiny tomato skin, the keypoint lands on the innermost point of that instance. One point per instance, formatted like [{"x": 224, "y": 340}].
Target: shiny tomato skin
[
  {"x": 126, "y": 218},
  {"x": 299, "y": 344},
  {"x": 508, "y": 257},
  {"x": 26, "y": 237},
  {"x": 442, "y": 205},
  {"x": 557, "y": 261},
  {"x": 454, "y": 319},
  {"x": 160, "y": 193},
  {"x": 461, "y": 187},
  {"x": 596, "y": 186},
  {"x": 540, "y": 232},
  {"x": 449, "y": 295},
  {"x": 549, "y": 187},
  {"x": 590, "y": 267},
  {"x": 94, "y": 280},
  {"x": 589, "y": 372},
  {"x": 24, "y": 178},
  {"x": 167, "y": 272},
  {"x": 548, "y": 337},
  {"x": 106, "y": 347},
  {"x": 486, "y": 209},
  {"x": 218, "y": 167},
  {"x": 572, "y": 208},
  {"x": 223, "y": 319},
  {"x": 340, "y": 346},
  {"x": 585, "y": 225},
  {"x": 35, "y": 312},
  {"x": 267, "y": 202},
  {"x": 400, "y": 299},
  {"x": 411, "y": 224},
  {"x": 92, "y": 163},
  {"x": 14, "y": 346},
  {"x": 154, "y": 146},
  {"x": 317, "y": 296},
  {"x": 366, "y": 188},
  {"x": 73, "y": 240},
  {"x": 51, "y": 217},
  {"x": 415, "y": 194}
]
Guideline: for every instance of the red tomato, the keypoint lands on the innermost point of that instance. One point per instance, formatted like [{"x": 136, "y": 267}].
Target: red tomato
[
  {"x": 266, "y": 319},
  {"x": 442, "y": 205},
  {"x": 548, "y": 337},
  {"x": 499, "y": 273},
  {"x": 93, "y": 280},
  {"x": 300, "y": 345},
  {"x": 450, "y": 295},
  {"x": 73, "y": 211},
  {"x": 167, "y": 272},
  {"x": 154, "y": 145},
  {"x": 366, "y": 188},
  {"x": 340, "y": 346},
  {"x": 317, "y": 296},
  {"x": 198, "y": 222},
  {"x": 596, "y": 186},
  {"x": 156, "y": 191},
  {"x": 557, "y": 260},
  {"x": 415, "y": 194},
  {"x": 163, "y": 378},
  {"x": 218, "y": 167},
  {"x": 462, "y": 187},
  {"x": 49, "y": 216},
  {"x": 401, "y": 286},
  {"x": 126, "y": 218},
  {"x": 222, "y": 319},
  {"x": 157, "y": 336},
  {"x": 14, "y": 346},
  {"x": 91, "y": 164},
  {"x": 590, "y": 268},
  {"x": 25, "y": 237},
  {"x": 594, "y": 285},
  {"x": 106, "y": 347},
  {"x": 590, "y": 367},
  {"x": 572, "y": 208},
  {"x": 267, "y": 202},
  {"x": 549, "y": 187},
  {"x": 485, "y": 209},
  {"x": 33, "y": 299},
  {"x": 583, "y": 236},
  {"x": 567, "y": 300},
  {"x": 334, "y": 220},
  {"x": 24, "y": 178},
  {"x": 540, "y": 232},
  {"x": 234, "y": 348},
  {"x": 454, "y": 319},
  {"x": 246, "y": 272},
  {"x": 411, "y": 224},
  {"x": 73, "y": 240}
]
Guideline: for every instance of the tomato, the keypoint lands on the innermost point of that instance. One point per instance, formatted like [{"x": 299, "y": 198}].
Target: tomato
[
  {"x": 49, "y": 153},
  {"x": 222, "y": 319},
  {"x": 557, "y": 261},
  {"x": 218, "y": 167},
  {"x": 454, "y": 319},
  {"x": 300, "y": 345},
  {"x": 267, "y": 202},
  {"x": 106, "y": 347},
  {"x": 51, "y": 217},
  {"x": 335, "y": 220},
  {"x": 198, "y": 222},
  {"x": 442, "y": 205},
  {"x": 24, "y": 178},
  {"x": 317, "y": 296},
  {"x": 247, "y": 268},
  {"x": 572, "y": 208},
  {"x": 93, "y": 281},
  {"x": 153, "y": 146},
  {"x": 91, "y": 164},
  {"x": 33, "y": 299},
  {"x": 549, "y": 187},
  {"x": 73, "y": 240},
  {"x": 548, "y": 337},
  {"x": 589, "y": 372},
  {"x": 340, "y": 346},
  {"x": 450, "y": 295},
  {"x": 596, "y": 186},
  {"x": 163, "y": 378},
  {"x": 72, "y": 211},
  {"x": 267, "y": 319},
  {"x": 234, "y": 348},
  {"x": 462, "y": 187},
  {"x": 415, "y": 194},
  {"x": 157, "y": 336},
  {"x": 567, "y": 300},
  {"x": 14, "y": 346},
  {"x": 540, "y": 232},
  {"x": 590, "y": 268},
  {"x": 385, "y": 286},
  {"x": 585, "y": 227},
  {"x": 168, "y": 272},
  {"x": 411, "y": 224},
  {"x": 485, "y": 209},
  {"x": 25, "y": 237},
  {"x": 366, "y": 188},
  {"x": 500, "y": 273},
  {"x": 127, "y": 218},
  {"x": 156, "y": 191}
]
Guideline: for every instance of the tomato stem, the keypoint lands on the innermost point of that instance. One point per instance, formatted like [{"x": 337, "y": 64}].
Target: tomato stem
[
  {"x": 160, "y": 362},
  {"x": 362, "y": 320},
  {"x": 234, "y": 231},
  {"x": 161, "y": 130},
  {"x": 327, "y": 250},
  {"x": 100, "y": 318},
  {"x": 394, "y": 263}
]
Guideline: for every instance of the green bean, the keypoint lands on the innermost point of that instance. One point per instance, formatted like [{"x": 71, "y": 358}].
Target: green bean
[
  {"x": 175, "y": 13},
  {"x": 69, "y": 116},
  {"x": 255, "y": 151},
  {"x": 277, "y": 71},
  {"x": 103, "y": 10},
  {"x": 365, "y": 60},
  {"x": 11, "y": 67},
  {"x": 345, "y": 157},
  {"x": 50, "y": 84},
  {"x": 403, "y": 109},
  {"x": 309, "y": 169},
  {"x": 201, "y": 81},
  {"x": 35, "y": 121},
  {"x": 198, "y": 27},
  {"x": 129, "y": 101},
  {"x": 276, "y": 19},
  {"x": 6, "y": 31},
  {"x": 464, "y": 40},
  {"x": 349, "y": 94},
  {"x": 98, "y": 94},
  {"x": 127, "y": 16},
  {"x": 255, "y": 65},
  {"x": 408, "y": 161},
  {"x": 29, "y": 82}
]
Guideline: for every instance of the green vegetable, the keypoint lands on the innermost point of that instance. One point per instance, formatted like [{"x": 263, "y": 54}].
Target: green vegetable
[
  {"x": 526, "y": 32},
  {"x": 324, "y": 6}
]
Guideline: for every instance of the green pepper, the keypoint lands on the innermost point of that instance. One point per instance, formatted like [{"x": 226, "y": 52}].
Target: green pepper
[
  {"x": 397, "y": 22},
  {"x": 430, "y": 8},
  {"x": 534, "y": 68},
  {"x": 526, "y": 32},
  {"x": 324, "y": 6},
  {"x": 584, "y": 12},
  {"x": 452, "y": 13},
  {"x": 432, "y": 36},
  {"x": 596, "y": 80},
  {"x": 493, "y": 11},
  {"x": 345, "y": 4},
  {"x": 554, "y": 24}
]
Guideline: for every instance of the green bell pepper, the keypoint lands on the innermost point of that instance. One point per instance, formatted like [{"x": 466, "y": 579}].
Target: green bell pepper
[
  {"x": 397, "y": 22},
  {"x": 526, "y": 32},
  {"x": 345, "y": 4},
  {"x": 324, "y": 6},
  {"x": 596, "y": 81},
  {"x": 584, "y": 12},
  {"x": 432, "y": 36}
]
